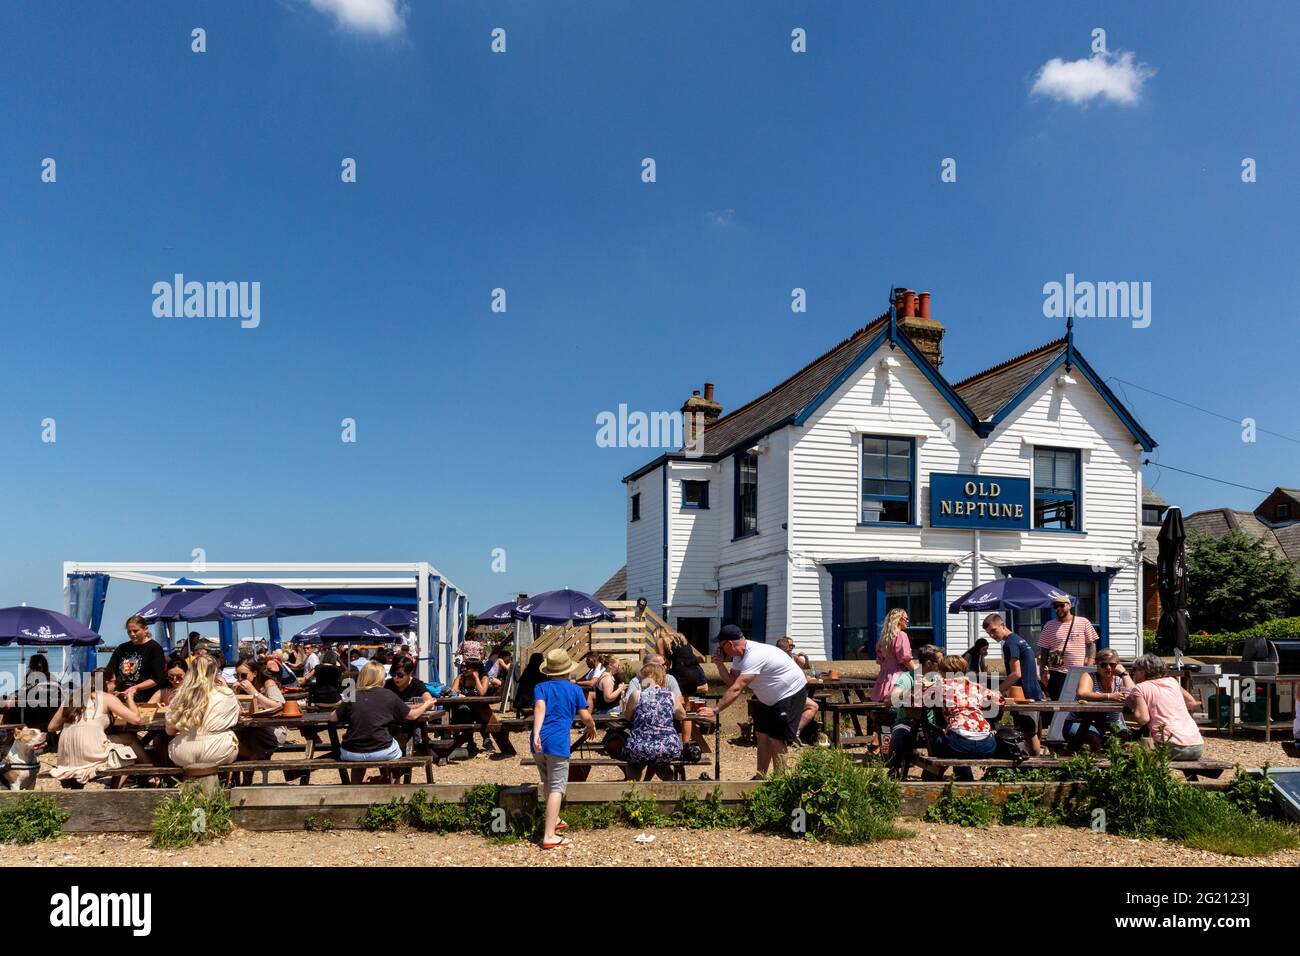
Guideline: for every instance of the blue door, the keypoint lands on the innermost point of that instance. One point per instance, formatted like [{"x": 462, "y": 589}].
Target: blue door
[{"x": 863, "y": 594}]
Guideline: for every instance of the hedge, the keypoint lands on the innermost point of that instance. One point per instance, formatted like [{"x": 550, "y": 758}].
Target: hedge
[{"x": 1232, "y": 642}]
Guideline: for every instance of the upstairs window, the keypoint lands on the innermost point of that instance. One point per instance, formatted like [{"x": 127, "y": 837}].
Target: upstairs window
[
  {"x": 636, "y": 506},
  {"x": 1056, "y": 489},
  {"x": 1282, "y": 511},
  {"x": 1152, "y": 516},
  {"x": 746, "y": 510},
  {"x": 888, "y": 478},
  {"x": 695, "y": 495}
]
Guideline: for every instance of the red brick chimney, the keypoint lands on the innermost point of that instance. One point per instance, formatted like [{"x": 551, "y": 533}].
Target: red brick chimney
[{"x": 914, "y": 318}]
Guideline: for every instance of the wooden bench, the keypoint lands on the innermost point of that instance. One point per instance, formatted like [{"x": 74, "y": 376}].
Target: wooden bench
[
  {"x": 678, "y": 767},
  {"x": 853, "y": 708},
  {"x": 266, "y": 766},
  {"x": 940, "y": 765}
]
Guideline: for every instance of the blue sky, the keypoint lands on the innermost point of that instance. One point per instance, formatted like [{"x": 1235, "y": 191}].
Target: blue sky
[{"x": 521, "y": 170}]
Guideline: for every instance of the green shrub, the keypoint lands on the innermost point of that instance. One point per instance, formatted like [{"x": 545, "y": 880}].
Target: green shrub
[
  {"x": 385, "y": 816},
  {"x": 31, "y": 819},
  {"x": 1027, "y": 808},
  {"x": 707, "y": 814},
  {"x": 1232, "y": 642},
  {"x": 1022, "y": 775},
  {"x": 191, "y": 816},
  {"x": 1253, "y": 794},
  {"x": 825, "y": 796},
  {"x": 315, "y": 824},
  {"x": 638, "y": 811},
  {"x": 962, "y": 809},
  {"x": 592, "y": 816},
  {"x": 1140, "y": 797},
  {"x": 476, "y": 813}
]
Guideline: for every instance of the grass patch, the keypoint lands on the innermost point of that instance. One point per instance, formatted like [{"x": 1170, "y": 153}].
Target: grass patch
[
  {"x": 31, "y": 819},
  {"x": 191, "y": 817},
  {"x": 1028, "y": 808},
  {"x": 825, "y": 796}
]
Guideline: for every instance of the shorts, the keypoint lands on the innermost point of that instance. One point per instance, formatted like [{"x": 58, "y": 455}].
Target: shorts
[
  {"x": 780, "y": 721},
  {"x": 554, "y": 772},
  {"x": 391, "y": 752}
]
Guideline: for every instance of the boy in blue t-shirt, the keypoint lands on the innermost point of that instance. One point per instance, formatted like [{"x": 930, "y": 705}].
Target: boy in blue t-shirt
[
  {"x": 1021, "y": 670},
  {"x": 556, "y": 701}
]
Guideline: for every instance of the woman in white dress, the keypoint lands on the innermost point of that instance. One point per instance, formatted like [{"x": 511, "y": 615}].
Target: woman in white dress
[{"x": 84, "y": 747}]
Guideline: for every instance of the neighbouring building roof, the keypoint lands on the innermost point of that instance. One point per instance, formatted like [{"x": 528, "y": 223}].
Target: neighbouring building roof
[
  {"x": 1288, "y": 536},
  {"x": 1220, "y": 521},
  {"x": 1151, "y": 499},
  {"x": 615, "y": 589}
]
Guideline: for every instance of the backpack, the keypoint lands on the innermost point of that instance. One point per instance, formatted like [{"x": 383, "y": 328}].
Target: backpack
[{"x": 1011, "y": 743}]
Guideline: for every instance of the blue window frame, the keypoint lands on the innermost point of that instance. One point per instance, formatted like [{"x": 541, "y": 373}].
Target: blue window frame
[
  {"x": 888, "y": 480},
  {"x": 1091, "y": 589},
  {"x": 746, "y": 504},
  {"x": 695, "y": 495},
  {"x": 746, "y": 607},
  {"x": 863, "y": 592},
  {"x": 1056, "y": 490}
]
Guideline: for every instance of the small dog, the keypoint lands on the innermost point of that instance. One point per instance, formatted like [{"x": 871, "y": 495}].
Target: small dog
[{"x": 19, "y": 767}]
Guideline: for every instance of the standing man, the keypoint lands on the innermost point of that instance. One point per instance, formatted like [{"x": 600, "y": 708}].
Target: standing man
[
  {"x": 1020, "y": 667},
  {"x": 779, "y": 687},
  {"x": 1069, "y": 641}
]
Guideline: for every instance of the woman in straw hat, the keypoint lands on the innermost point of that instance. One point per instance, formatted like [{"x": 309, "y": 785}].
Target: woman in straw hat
[{"x": 556, "y": 701}]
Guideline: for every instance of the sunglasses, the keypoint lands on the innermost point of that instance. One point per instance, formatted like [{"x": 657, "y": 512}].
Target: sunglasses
[
  {"x": 1108, "y": 666},
  {"x": 176, "y": 678}
]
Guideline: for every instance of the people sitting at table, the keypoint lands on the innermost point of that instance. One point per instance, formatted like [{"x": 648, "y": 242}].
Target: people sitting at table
[
  {"x": 810, "y": 707},
  {"x": 528, "y": 680},
  {"x": 499, "y": 669},
  {"x": 976, "y": 656},
  {"x": 683, "y": 666},
  {"x": 966, "y": 732},
  {"x": 653, "y": 741},
  {"x": 470, "y": 682},
  {"x": 470, "y": 649},
  {"x": 913, "y": 711},
  {"x": 587, "y": 682},
  {"x": 1161, "y": 705},
  {"x": 1112, "y": 684},
  {"x": 201, "y": 719},
  {"x": 177, "y": 668},
  {"x": 138, "y": 664},
  {"x": 310, "y": 662},
  {"x": 84, "y": 747},
  {"x": 369, "y": 719},
  {"x": 253, "y": 679},
  {"x": 277, "y": 666},
  {"x": 606, "y": 698},
  {"x": 40, "y": 697},
  {"x": 324, "y": 685}
]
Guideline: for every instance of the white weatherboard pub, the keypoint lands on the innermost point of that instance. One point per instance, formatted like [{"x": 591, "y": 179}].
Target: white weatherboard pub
[{"x": 867, "y": 481}]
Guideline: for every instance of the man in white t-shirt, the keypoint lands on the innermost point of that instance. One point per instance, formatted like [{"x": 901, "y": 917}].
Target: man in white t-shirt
[
  {"x": 777, "y": 683},
  {"x": 312, "y": 662}
]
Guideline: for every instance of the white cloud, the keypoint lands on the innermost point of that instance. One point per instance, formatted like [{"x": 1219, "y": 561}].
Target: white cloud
[
  {"x": 722, "y": 217},
  {"x": 1109, "y": 76},
  {"x": 384, "y": 17}
]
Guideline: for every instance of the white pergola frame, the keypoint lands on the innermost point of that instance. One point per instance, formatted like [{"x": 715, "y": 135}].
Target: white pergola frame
[{"x": 439, "y": 629}]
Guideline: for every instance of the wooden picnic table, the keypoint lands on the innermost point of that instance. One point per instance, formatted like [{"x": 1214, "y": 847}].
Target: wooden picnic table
[
  {"x": 1064, "y": 706},
  {"x": 704, "y": 721},
  {"x": 855, "y": 691}
]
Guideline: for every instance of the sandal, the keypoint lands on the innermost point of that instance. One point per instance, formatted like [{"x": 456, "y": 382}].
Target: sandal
[
  {"x": 561, "y": 827},
  {"x": 561, "y": 842}
]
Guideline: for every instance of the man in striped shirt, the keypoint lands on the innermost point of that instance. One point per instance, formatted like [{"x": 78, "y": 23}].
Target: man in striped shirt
[{"x": 1074, "y": 636}]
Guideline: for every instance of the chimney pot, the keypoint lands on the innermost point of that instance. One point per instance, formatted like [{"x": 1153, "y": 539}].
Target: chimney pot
[
  {"x": 909, "y": 304},
  {"x": 708, "y": 391},
  {"x": 924, "y": 305}
]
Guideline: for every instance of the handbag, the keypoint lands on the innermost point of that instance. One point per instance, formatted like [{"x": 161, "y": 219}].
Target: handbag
[
  {"x": 1011, "y": 743},
  {"x": 1057, "y": 658}
]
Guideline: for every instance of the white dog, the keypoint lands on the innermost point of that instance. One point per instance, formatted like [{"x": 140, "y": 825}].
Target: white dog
[{"x": 20, "y": 765}]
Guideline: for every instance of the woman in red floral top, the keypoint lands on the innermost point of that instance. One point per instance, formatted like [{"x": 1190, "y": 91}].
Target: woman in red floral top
[{"x": 966, "y": 704}]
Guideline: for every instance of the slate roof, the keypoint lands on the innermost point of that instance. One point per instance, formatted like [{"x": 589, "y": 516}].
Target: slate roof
[
  {"x": 615, "y": 589},
  {"x": 1288, "y": 536},
  {"x": 1220, "y": 521},
  {"x": 1151, "y": 499},
  {"x": 788, "y": 398},
  {"x": 988, "y": 391}
]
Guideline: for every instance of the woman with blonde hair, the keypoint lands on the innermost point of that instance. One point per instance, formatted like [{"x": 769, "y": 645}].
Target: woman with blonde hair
[
  {"x": 653, "y": 710},
  {"x": 370, "y": 718},
  {"x": 201, "y": 719},
  {"x": 893, "y": 653}
]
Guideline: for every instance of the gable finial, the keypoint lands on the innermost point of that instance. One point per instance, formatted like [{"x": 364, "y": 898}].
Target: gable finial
[{"x": 1069, "y": 341}]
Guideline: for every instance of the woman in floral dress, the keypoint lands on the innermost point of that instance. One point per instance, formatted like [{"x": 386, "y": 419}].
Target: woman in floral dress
[{"x": 653, "y": 710}]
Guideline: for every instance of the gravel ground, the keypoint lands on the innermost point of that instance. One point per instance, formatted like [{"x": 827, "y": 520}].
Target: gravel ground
[{"x": 931, "y": 845}]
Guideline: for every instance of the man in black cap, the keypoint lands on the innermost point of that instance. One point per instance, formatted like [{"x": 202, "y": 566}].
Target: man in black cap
[{"x": 779, "y": 689}]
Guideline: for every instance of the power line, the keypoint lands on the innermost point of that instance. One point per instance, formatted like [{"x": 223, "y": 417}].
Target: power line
[
  {"x": 1263, "y": 491},
  {"x": 1206, "y": 411}
]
